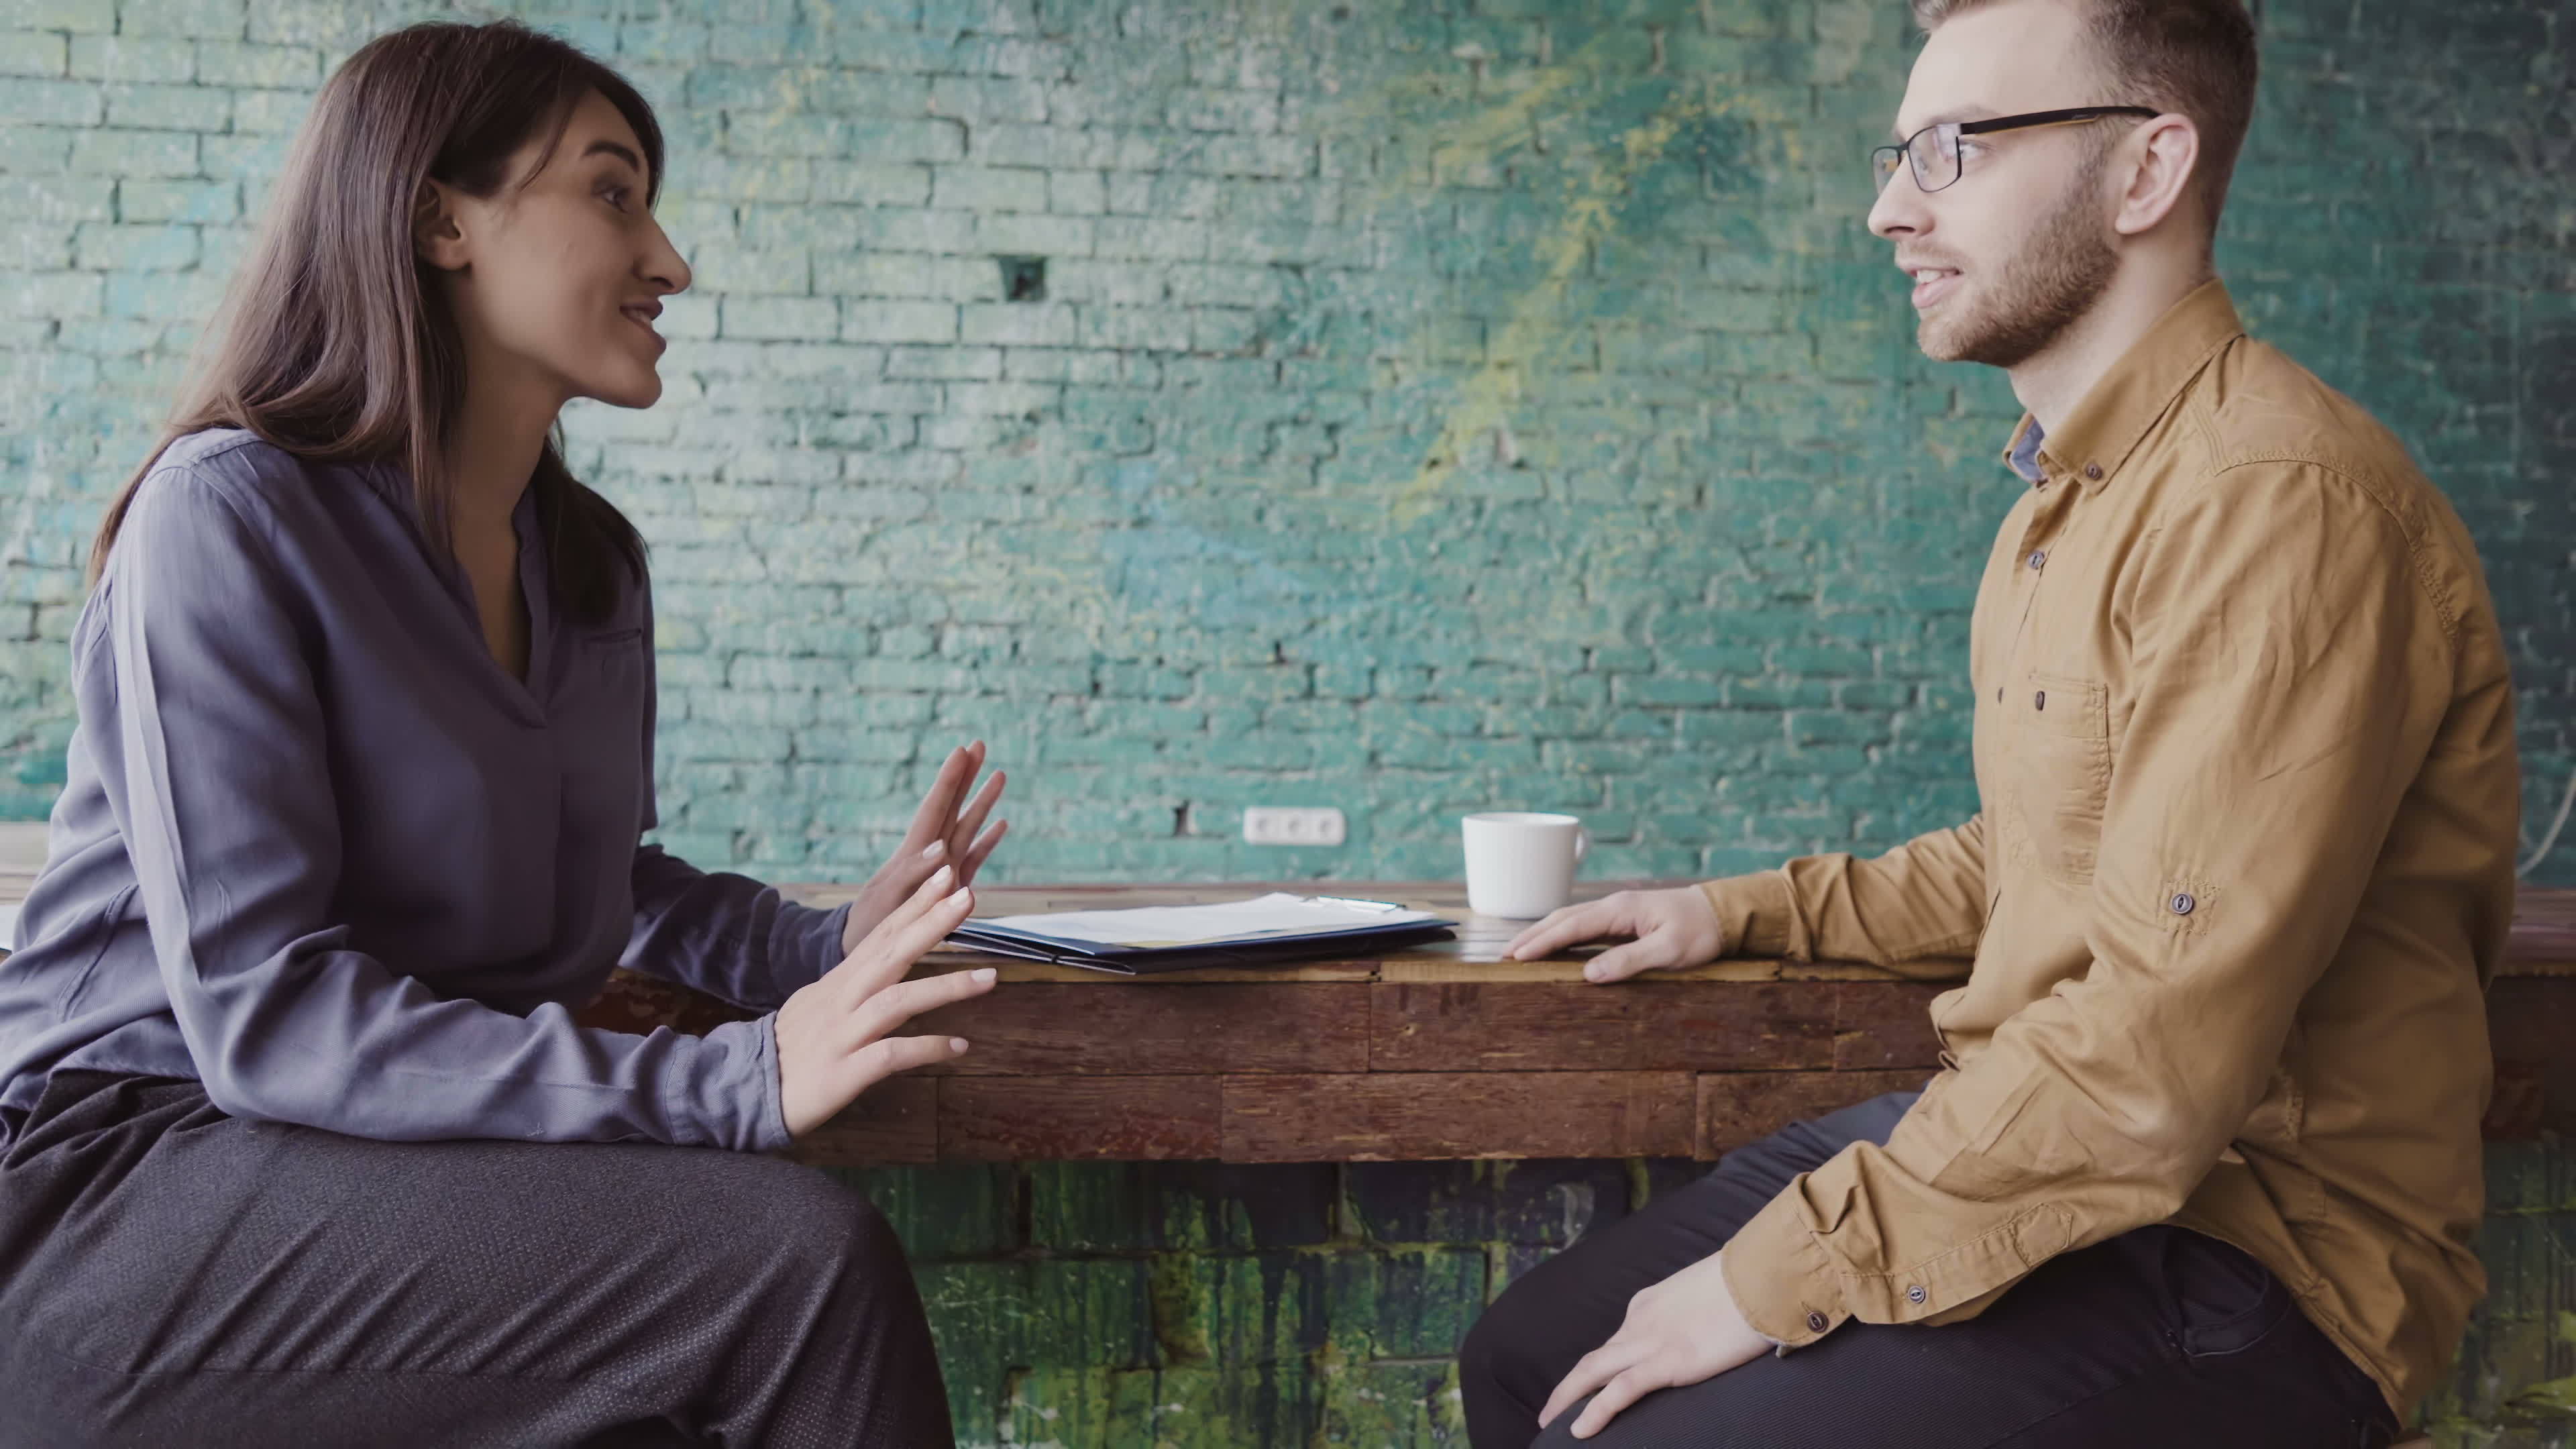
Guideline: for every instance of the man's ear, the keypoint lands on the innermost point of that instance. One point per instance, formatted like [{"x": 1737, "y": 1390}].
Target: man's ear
[
  {"x": 2165, "y": 155},
  {"x": 437, "y": 235}
]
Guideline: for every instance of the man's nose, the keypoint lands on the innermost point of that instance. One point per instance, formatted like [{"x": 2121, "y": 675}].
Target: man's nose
[{"x": 1899, "y": 207}]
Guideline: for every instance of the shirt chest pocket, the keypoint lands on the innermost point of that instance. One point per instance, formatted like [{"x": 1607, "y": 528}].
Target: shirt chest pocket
[{"x": 2057, "y": 765}]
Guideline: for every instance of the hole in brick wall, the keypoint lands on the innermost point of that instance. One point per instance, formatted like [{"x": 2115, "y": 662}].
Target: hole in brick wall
[{"x": 1024, "y": 279}]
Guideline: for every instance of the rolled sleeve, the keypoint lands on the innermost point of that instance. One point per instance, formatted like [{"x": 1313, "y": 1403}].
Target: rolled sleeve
[{"x": 1918, "y": 909}]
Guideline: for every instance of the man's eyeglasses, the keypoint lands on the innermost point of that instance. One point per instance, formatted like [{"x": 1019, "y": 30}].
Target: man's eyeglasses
[{"x": 1934, "y": 150}]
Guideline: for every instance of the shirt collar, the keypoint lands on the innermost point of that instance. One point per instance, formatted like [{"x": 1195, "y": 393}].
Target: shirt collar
[{"x": 2097, "y": 437}]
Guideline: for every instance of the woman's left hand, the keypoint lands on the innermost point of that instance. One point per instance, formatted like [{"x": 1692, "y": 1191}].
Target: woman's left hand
[
  {"x": 1680, "y": 1331},
  {"x": 944, "y": 832}
]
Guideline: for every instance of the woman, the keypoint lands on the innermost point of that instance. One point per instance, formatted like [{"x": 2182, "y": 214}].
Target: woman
[{"x": 302, "y": 1146}]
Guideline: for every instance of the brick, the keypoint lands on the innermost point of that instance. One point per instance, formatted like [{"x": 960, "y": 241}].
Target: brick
[
  {"x": 1197, "y": 1206},
  {"x": 945, "y": 1213},
  {"x": 50, "y": 102},
  {"x": 778, "y": 318},
  {"x": 988, "y": 188},
  {"x": 34, "y": 53},
  {"x": 134, "y": 153},
  {"x": 76, "y": 16},
  {"x": 270, "y": 113},
  {"x": 57, "y": 199},
  {"x": 1018, "y": 324},
  {"x": 869, "y": 182},
  {"x": 104, "y": 246},
  {"x": 898, "y": 321},
  {"x": 233, "y": 63},
  {"x": 1549, "y": 1201},
  {"x": 216, "y": 18},
  {"x": 56, "y": 294},
  {"x": 1006, "y": 234},
  {"x": 169, "y": 107},
  {"x": 1149, "y": 239}
]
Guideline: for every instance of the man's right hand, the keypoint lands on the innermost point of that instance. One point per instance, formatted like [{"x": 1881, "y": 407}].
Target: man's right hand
[
  {"x": 1672, "y": 929},
  {"x": 835, "y": 1037}
]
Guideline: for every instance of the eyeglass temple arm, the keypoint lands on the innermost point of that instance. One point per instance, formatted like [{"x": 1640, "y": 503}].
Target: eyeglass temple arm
[{"x": 2050, "y": 118}]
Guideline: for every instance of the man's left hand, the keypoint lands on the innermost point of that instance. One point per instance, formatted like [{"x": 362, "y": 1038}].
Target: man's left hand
[
  {"x": 1680, "y": 1331},
  {"x": 944, "y": 832}
]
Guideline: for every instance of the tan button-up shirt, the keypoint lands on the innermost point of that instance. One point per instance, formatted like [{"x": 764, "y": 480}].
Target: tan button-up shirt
[{"x": 2244, "y": 863}]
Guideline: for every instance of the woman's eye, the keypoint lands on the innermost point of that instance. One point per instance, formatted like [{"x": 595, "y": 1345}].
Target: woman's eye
[{"x": 615, "y": 196}]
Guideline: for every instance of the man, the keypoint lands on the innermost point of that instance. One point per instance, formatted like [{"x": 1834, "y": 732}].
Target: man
[{"x": 2202, "y": 1163}]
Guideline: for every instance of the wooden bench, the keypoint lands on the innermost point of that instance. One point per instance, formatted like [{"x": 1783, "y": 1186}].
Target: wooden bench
[{"x": 1451, "y": 1052}]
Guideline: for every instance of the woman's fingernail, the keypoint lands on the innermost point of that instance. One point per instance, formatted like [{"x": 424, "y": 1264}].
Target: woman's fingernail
[
  {"x": 940, "y": 876},
  {"x": 932, "y": 850},
  {"x": 1592, "y": 973},
  {"x": 987, "y": 974},
  {"x": 956, "y": 1044}
]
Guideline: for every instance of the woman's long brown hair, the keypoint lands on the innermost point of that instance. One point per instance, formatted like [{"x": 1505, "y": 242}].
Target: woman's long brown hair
[{"x": 334, "y": 344}]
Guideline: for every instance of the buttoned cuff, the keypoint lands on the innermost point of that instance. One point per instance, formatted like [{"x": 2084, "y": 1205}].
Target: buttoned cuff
[
  {"x": 1782, "y": 1281},
  {"x": 1756, "y": 912}
]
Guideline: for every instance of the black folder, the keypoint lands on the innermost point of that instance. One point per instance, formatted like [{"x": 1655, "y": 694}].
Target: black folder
[{"x": 1339, "y": 928}]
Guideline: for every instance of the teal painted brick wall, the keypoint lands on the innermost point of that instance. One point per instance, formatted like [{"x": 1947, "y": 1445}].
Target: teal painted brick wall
[{"x": 1432, "y": 406}]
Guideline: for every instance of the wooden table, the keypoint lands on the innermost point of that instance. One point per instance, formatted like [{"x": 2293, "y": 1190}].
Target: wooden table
[{"x": 1451, "y": 1052}]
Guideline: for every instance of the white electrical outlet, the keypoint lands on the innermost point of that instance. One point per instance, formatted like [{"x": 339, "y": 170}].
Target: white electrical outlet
[{"x": 1291, "y": 825}]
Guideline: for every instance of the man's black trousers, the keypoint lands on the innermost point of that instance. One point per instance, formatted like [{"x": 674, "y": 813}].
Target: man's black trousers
[{"x": 2158, "y": 1339}]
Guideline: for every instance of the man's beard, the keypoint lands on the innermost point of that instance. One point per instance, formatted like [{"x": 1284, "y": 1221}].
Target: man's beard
[{"x": 2062, "y": 269}]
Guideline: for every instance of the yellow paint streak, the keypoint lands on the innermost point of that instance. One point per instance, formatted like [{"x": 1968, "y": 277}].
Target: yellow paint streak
[{"x": 1537, "y": 323}]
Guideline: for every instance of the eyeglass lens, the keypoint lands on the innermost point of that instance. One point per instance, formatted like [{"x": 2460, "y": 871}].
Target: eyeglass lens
[{"x": 1933, "y": 152}]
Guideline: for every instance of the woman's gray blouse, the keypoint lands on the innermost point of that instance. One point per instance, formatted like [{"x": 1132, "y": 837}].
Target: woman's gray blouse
[{"x": 320, "y": 852}]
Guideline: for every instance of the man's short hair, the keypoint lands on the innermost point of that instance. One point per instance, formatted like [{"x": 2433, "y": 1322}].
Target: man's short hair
[{"x": 2194, "y": 57}]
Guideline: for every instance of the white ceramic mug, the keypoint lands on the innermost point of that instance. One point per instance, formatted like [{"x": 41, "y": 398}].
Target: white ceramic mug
[{"x": 1520, "y": 864}]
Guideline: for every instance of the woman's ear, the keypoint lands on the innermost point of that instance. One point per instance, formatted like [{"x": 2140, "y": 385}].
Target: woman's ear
[
  {"x": 2168, "y": 155},
  {"x": 436, "y": 234}
]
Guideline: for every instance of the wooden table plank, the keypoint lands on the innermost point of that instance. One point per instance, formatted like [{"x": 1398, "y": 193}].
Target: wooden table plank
[
  {"x": 1407, "y": 1116},
  {"x": 1884, "y": 1024},
  {"x": 1061, "y": 1119},
  {"x": 1637, "y": 1026},
  {"x": 1059, "y": 1029},
  {"x": 893, "y": 1124},
  {"x": 1740, "y": 1107}
]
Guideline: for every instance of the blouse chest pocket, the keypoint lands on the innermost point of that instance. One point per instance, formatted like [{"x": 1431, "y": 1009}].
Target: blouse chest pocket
[
  {"x": 2057, "y": 762},
  {"x": 601, "y": 713}
]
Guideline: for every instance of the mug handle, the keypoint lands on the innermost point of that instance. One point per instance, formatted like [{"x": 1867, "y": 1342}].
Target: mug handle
[{"x": 1582, "y": 844}]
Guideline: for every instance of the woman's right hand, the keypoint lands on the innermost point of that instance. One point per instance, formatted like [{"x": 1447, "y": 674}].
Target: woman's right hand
[{"x": 835, "y": 1037}]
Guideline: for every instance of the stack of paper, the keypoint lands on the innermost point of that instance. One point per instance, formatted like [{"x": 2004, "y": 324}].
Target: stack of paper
[{"x": 1259, "y": 932}]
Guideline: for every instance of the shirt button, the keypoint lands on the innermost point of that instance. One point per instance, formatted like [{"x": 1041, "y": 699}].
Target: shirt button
[
  {"x": 1815, "y": 1323},
  {"x": 2093, "y": 471},
  {"x": 2038, "y": 556},
  {"x": 1914, "y": 1294},
  {"x": 2182, "y": 903},
  {"x": 2039, "y": 700}
]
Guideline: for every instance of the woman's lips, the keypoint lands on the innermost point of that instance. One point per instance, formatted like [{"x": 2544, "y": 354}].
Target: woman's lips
[{"x": 643, "y": 319}]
